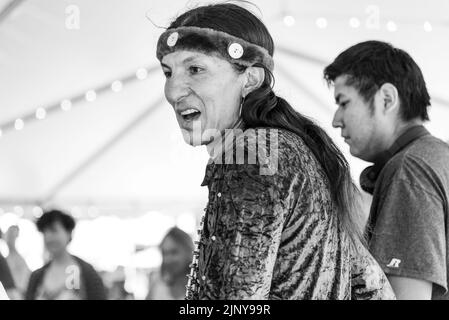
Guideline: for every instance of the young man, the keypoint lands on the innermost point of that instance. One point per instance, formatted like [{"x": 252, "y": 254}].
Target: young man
[
  {"x": 65, "y": 276},
  {"x": 382, "y": 104}
]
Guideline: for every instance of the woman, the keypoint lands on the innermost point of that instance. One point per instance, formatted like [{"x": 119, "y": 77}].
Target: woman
[
  {"x": 65, "y": 277},
  {"x": 282, "y": 220},
  {"x": 17, "y": 264},
  {"x": 169, "y": 283},
  {"x": 8, "y": 288}
]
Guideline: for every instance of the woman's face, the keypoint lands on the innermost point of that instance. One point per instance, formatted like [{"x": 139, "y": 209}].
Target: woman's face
[
  {"x": 56, "y": 238},
  {"x": 175, "y": 258},
  {"x": 205, "y": 92}
]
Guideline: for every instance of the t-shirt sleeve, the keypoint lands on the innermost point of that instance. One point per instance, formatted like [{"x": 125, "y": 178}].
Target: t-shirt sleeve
[
  {"x": 5, "y": 274},
  {"x": 409, "y": 238}
]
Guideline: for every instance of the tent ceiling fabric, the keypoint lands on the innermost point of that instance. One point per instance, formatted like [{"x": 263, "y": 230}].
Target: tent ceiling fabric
[{"x": 45, "y": 57}]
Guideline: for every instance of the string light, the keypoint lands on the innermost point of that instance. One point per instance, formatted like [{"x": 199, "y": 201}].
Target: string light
[
  {"x": 91, "y": 96},
  {"x": 37, "y": 212},
  {"x": 19, "y": 124},
  {"x": 391, "y": 26},
  {"x": 117, "y": 86},
  {"x": 19, "y": 211},
  {"x": 66, "y": 105},
  {"x": 41, "y": 113},
  {"x": 289, "y": 21},
  {"x": 354, "y": 22},
  {"x": 321, "y": 23},
  {"x": 427, "y": 26},
  {"x": 142, "y": 74}
]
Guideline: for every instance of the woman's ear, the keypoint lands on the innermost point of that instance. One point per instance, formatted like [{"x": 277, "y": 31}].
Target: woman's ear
[{"x": 254, "y": 77}]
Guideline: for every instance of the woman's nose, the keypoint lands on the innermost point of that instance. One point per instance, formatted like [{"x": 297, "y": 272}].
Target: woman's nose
[{"x": 176, "y": 88}]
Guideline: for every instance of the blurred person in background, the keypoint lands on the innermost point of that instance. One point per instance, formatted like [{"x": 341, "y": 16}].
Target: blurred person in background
[
  {"x": 65, "y": 276},
  {"x": 17, "y": 265},
  {"x": 7, "y": 279},
  {"x": 116, "y": 285},
  {"x": 169, "y": 283}
]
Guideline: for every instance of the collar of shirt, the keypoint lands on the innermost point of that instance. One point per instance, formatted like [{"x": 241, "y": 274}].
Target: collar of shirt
[{"x": 369, "y": 176}]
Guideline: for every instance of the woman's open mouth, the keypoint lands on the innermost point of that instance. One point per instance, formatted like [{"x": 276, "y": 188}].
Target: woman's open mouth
[{"x": 190, "y": 114}]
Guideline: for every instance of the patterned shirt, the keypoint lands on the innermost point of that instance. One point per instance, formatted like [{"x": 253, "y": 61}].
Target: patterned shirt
[{"x": 271, "y": 230}]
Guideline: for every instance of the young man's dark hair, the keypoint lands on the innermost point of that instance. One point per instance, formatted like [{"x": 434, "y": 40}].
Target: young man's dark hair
[
  {"x": 370, "y": 64},
  {"x": 53, "y": 216}
]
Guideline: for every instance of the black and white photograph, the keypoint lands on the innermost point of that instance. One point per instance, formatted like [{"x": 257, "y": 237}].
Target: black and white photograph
[{"x": 191, "y": 150}]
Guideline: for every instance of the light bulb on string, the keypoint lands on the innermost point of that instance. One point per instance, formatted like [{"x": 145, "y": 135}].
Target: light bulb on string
[
  {"x": 91, "y": 96},
  {"x": 142, "y": 74},
  {"x": 41, "y": 113},
  {"x": 18, "y": 210},
  {"x": 117, "y": 86},
  {"x": 321, "y": 23},
  {"x": 66, "y": 105},
  {"x": 428, "y": 26},
  {"x": 354, "y": 22},
  {"x": 37, "y": 212},
  {"x": 289, "y": 21},
  {"x": 391, "y": 26},
  {"x": 19, "y": 124}
]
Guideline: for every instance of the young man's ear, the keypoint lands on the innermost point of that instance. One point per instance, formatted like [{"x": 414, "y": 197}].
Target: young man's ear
[
  {"x": 254, "y": 77},
  {"x": 390, "y": 97}
]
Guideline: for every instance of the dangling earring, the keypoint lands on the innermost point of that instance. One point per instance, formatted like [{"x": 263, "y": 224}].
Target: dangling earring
[{"x": 241, "y": 107}]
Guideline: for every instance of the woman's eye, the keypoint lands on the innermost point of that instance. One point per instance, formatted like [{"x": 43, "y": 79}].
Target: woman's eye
[
  {"x": 167, "y": 74},
  {"x": 195, "y": 69}
]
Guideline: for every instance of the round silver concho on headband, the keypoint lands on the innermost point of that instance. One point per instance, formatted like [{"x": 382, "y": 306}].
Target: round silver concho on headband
[{"x": 172, "y": 39}]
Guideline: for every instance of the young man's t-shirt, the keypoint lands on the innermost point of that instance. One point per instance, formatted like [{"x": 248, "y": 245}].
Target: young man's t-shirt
[{"x": 409, "y": 214}]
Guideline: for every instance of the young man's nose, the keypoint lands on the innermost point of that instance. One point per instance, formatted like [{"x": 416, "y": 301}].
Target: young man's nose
[{"x": 337, "y": 120}]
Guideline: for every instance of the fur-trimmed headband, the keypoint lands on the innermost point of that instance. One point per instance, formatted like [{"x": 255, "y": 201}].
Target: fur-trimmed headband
[{"x": 206, "y": 40}]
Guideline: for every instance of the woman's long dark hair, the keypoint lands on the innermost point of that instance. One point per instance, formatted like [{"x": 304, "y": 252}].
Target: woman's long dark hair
[{"x": 263, "y": 108}]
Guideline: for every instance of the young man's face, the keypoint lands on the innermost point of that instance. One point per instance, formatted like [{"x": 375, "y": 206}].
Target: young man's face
[
  {"x": 56, "y": 238},
  {"x": 362, "y": 123}
]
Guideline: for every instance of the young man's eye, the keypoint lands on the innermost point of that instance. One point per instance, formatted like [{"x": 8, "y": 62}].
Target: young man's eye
[
  {"x": 167, "y": 74},
  {"x": 344, "y": 104}
]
